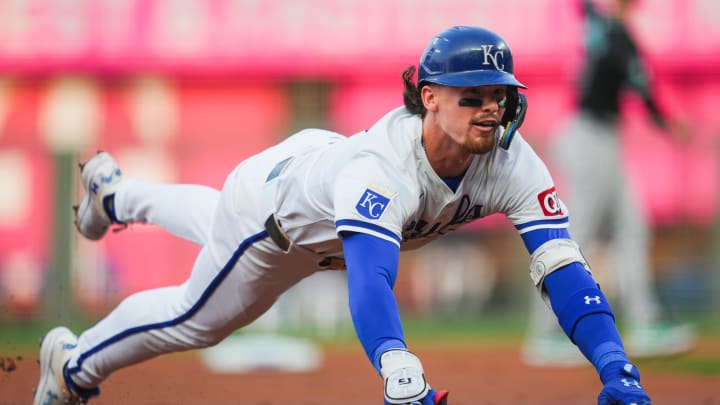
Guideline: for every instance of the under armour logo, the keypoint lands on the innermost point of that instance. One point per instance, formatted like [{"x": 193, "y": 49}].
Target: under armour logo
[
  {"x": 629, "y": 382},
  {"x": 589, "y": 299}
]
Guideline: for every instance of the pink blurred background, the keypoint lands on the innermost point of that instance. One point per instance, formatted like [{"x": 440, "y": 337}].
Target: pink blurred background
[{"x": 183, "y": 90}]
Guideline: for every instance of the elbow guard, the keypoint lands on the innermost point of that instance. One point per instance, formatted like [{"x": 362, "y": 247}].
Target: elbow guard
[{"x": 550, "y": 256}]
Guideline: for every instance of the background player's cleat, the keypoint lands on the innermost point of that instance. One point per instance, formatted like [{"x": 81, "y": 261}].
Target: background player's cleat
[
  {"x": 659, "y": 340},
  {"x": 55, "y": 349},
  {"x": 100, "y": 178},
  {"x": 552, "y": 350}
]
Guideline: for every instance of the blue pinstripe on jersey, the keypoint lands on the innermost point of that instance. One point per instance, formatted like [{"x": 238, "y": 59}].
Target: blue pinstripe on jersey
[{"x": 372, "y": 227}]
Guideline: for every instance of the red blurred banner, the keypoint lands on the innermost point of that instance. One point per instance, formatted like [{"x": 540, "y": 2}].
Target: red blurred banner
[{"x": 291, "y": 37}]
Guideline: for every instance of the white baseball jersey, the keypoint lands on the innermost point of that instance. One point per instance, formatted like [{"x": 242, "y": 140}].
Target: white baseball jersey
[{"x": 380, "y": 182}]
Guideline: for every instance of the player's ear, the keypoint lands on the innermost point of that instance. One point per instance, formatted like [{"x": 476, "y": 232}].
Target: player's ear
[{"x": 428, "y": 95}]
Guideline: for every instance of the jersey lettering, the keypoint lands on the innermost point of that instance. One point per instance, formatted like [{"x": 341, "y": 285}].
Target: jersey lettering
[{"x": 465, "y": 212}]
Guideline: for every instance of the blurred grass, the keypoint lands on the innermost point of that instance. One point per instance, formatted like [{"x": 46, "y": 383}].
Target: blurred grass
[
  {"x": 25, "y": 336},
  {"x": 488, "y": 330}
]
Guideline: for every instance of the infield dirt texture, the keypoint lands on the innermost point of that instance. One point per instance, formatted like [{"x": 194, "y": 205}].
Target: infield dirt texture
[{"x": 475, "y": 375}]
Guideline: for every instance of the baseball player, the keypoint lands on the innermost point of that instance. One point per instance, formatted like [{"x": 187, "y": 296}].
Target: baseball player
[
  {"x": 319, "y": 201},
  {"x": 588, "y": 152}
]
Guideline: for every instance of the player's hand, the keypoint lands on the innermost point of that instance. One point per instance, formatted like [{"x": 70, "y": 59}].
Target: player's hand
[
  {"x": 405, "y": 382},
  {"x": 432, "y": 398},
  {"x": 622, "y": 386}
]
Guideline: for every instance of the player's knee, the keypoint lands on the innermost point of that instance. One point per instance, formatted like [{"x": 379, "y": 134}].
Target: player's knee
[{"x": 200, "y": 335}]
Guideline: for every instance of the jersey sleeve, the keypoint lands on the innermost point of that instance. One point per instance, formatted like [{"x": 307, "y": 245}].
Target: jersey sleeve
[
  {"x": 371, "y": 198},
  {"x": 529, "y": 197}
]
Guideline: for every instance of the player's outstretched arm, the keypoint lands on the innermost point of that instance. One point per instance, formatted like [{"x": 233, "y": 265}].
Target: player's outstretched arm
[
  {"x": 588, "y": 320},
  {"x": 372, "y": 267}
]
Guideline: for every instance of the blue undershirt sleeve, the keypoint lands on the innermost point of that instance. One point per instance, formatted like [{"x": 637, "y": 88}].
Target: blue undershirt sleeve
[
  {"x": 595, "y": 334},
  {"x": 534, "y": 239},
  {"x": 372, "y": 265}
]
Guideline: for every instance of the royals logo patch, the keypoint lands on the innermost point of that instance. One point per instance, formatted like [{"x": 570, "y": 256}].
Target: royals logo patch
[{"x": 372, "y": 203}]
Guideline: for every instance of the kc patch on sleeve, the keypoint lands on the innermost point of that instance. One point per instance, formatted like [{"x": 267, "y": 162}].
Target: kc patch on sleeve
[{"x": 372, "y": 203}]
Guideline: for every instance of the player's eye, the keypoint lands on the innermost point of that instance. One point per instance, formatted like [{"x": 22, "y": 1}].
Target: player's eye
[{"x": 478, "y": 102}]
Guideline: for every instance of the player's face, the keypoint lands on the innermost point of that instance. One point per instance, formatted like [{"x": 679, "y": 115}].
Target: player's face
[{"x": 470, "y": 115}]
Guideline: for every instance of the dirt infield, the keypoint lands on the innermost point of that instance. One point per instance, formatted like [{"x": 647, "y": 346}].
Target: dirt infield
[{"x": 474, "y": 376}]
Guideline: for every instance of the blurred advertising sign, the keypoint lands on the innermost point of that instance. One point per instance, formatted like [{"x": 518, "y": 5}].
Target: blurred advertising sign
[
  {"x": 285, "y": 36},
  {"x": 290, "y": 37},
  {"x": 259, "y": 37}
]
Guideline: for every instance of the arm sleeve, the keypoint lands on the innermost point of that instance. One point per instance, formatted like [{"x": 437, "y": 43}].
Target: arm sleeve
[
  {"x": 372, "y": 265},
  {"x": 596, "y": 334},
  {"x": 639, "y": 80}
]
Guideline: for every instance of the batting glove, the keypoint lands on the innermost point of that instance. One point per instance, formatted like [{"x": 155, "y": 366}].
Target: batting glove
[
  {"x": 622, "y": 386},
  {"x": 405, "y": 382}
]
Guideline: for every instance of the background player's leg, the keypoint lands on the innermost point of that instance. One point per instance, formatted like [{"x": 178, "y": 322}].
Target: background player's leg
[
  {"x": 577, "y": 152},
  {"x": 184, "y": 210},
  {"x": 646, "y": 333},
  {"x": 630, "y": 245}
]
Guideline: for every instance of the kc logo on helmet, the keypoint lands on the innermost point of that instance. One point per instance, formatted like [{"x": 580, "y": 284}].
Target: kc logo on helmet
[
  {"x": 492, "y": 56},
  {"x": 550, "y": 203}
]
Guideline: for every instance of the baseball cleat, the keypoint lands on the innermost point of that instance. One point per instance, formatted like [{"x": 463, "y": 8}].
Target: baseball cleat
[
  {"x": 659, "y": 340},
  {"x": 100, "y": 178},
  {"x": 55, "y": 350},
  {"x": 552, "y": 350}
]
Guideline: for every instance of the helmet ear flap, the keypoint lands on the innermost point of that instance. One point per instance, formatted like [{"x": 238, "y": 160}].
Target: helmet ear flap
[
  {"x": 512, "y": 119},
  {"x": 511, "y": 105}
]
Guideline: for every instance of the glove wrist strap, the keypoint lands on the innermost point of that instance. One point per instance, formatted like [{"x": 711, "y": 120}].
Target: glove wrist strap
[{"x": 606, "y": 353}]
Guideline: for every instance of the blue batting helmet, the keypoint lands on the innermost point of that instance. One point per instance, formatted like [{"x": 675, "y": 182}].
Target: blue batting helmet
[{"x": 467, "y": 57}]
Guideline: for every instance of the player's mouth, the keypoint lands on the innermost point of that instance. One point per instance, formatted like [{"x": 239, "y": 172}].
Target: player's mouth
[{"x": 485, "y": 125}]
